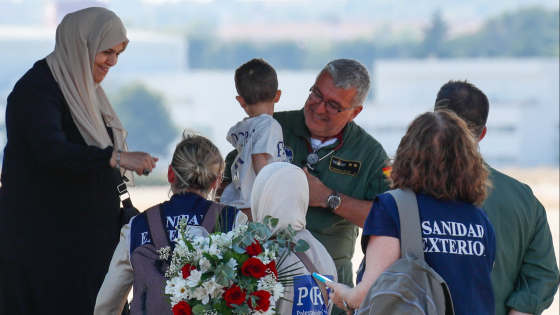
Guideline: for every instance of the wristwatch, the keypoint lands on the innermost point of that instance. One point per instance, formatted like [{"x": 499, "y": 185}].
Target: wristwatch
[{"x": 333, "y": 202}]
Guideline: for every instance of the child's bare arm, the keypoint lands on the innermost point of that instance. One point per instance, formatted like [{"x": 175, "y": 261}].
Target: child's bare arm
[{"x": 259, "y": 161}]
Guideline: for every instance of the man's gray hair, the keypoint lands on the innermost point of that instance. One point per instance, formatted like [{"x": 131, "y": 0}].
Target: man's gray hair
[{"x": 349, "y": 73}]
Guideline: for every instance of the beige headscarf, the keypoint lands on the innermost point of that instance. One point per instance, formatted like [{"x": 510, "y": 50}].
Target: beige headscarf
[
  {"x": 79, "y": 37},
  {"x": 281, "y": 191}
]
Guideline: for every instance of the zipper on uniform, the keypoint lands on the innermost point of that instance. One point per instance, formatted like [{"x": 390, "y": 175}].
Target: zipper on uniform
[{"x": 143, "y": 297}]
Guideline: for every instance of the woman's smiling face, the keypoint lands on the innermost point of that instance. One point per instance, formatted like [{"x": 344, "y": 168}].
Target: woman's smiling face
[{"x": 105, "y": 60}]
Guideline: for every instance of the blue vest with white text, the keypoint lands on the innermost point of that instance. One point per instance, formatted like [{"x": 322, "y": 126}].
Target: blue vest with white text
[{"x": 189, "y": 206}]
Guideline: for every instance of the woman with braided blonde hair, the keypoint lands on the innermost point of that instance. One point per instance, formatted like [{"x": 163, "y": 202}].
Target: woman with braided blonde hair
[{"x": 194, "y": 174}]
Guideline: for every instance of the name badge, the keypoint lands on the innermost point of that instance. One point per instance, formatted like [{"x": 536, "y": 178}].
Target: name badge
[{"x": 344, "y": 167}]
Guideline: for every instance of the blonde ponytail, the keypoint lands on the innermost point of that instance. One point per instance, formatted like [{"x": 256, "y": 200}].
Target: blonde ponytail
[{"x": 197, "y": 163}]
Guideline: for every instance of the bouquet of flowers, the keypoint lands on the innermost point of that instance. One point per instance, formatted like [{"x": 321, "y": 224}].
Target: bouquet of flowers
[{"x": 230, "y": 273}]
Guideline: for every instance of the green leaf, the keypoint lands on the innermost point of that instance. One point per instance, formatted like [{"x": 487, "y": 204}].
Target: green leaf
[
  {"x": 222, "y": 308},
  {"x": 206, "y": 276},
  {"x": 301, "y": 246},
  {"x": 248, "y": 239},
  {"x": 239, "y": 250},
  {"x": 243, "y": 309},
  {"x": 189, "y": 246},
  {"x": 222, "y": 281},
  {"x": 252, "y": 226},
  {"x": 212, "y": 258},
  {"x": 274, "y": 222},
  {"x": 199, "y": 309},
  {"x": 266, "y": 219}
]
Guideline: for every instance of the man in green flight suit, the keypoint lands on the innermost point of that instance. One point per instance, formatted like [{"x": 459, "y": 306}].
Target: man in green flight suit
[
  {"x": 525, "y": 275},
  {"x": 343, "y": 163}
]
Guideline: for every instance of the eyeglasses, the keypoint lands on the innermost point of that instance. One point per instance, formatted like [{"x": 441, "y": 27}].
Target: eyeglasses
[{"x": 329, "y": 107}]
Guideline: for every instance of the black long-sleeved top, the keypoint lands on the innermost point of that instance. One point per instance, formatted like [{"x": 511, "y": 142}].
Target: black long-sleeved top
[{"x": 59, "y": 210}]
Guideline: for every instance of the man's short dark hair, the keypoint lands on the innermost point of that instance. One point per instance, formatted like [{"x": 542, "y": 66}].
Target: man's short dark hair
[
  {"x": 256, "y": 81},
  {"x": 467, "y": 101}
]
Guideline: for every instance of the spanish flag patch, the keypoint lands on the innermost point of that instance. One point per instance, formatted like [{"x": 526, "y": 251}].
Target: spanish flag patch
[{"x": 387, "y": 171}]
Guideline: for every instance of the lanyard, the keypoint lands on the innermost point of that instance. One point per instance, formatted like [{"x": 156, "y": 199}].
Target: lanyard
[{"x": 313, "y": 157}]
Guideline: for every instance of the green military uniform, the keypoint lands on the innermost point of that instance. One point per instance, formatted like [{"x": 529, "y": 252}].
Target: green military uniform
[
  {"x": 525, "y": 276},
  {"x": 355, "y": 169}
]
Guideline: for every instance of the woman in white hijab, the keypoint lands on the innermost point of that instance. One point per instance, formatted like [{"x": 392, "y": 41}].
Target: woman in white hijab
[
  {"x": 281, "y": 191},
  {"x": 59, "y": 207}
]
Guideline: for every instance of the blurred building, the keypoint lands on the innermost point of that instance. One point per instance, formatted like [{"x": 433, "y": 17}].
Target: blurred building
[{"x": 523, "y": 124}]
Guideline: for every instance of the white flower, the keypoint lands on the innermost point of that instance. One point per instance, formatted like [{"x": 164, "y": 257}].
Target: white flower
[
  {"x": 278, "y": 291},
  {"x": 205, "y": 264},
  {"x": 199, "y": 241},
  {"x": 222, "y": 241},
  {"x": 164, "y": 252},
  {"x": 267, "y": 256},
  {"x": 170, "y": 285},
  {"x": 232, "y": 263},
  {"x": 180, "y": 290},
  {"x": 268, "y": 283},
  {"x": 201, "y": 294},
  {"x": 213, "y": 250},
  {"x": 175, "y": 300},
  {"x": 213, "y": 288},
  {"x": 194, "y": 278}
]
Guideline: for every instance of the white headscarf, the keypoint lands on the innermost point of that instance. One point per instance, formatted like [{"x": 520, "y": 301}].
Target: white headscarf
[
  {"x": 281, "y": 191},
  {"x": 79, "y": 37}
]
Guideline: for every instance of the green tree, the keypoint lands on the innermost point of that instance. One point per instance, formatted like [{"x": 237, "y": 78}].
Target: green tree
[
  {"x": 434, "y": 40},
  {"x": 145, "y": 117},
  {"x": 529, "y": 32}
]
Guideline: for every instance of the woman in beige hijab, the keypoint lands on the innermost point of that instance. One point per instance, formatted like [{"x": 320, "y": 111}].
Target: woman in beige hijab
[
  {"x": 281, "y": 191},
  {"x": 59, "y": 207}
]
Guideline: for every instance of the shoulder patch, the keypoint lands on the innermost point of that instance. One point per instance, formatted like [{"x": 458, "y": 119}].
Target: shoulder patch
[
  {"x": 289, "y": 153},
  {"x": 344, "y": 167}
]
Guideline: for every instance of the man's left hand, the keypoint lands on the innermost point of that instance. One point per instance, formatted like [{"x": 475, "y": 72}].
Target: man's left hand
[{"x": 318, "y": 192}]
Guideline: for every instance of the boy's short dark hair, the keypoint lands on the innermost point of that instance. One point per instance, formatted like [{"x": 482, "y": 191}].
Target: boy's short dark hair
[
  {"x": 256, "y": 81},
  {"x": 467, "y": 101}
]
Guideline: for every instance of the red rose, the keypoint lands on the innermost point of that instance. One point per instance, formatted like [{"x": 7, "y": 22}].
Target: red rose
[
  {"x": 186, "y": 270},
  {"x": 254, "y": 267},
  {"x": 234, "y": 295},
  {"x": 254, "y": 249},
  {"x": 272, "y": 267},
  {"x": 182, "y": 308},
  {"x": 263, "y": 301}
]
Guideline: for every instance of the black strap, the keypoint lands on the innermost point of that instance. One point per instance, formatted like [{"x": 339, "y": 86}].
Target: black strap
[
  {"x": 157, "y": 231},
  {"x": 122, "y": 188},
  {"x": 213, "y": 211},
  {"x": 411, "y": 234},
  {"x": 311, "y": 267}
]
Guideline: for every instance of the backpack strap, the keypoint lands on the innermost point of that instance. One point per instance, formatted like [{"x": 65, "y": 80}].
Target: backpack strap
[
  {"x": 411, "y": 235},
  {"x": 311, "y": 267},
  {"x": 155, "y": 225},
  {"x": 209, "y": 221}
]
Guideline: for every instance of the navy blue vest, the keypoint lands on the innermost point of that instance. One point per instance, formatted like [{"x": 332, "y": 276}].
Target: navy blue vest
[{"x": 190, "y": 206}]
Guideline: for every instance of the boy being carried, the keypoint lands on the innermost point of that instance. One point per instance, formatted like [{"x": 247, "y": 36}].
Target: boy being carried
[{"x": 257, "y": 138}]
